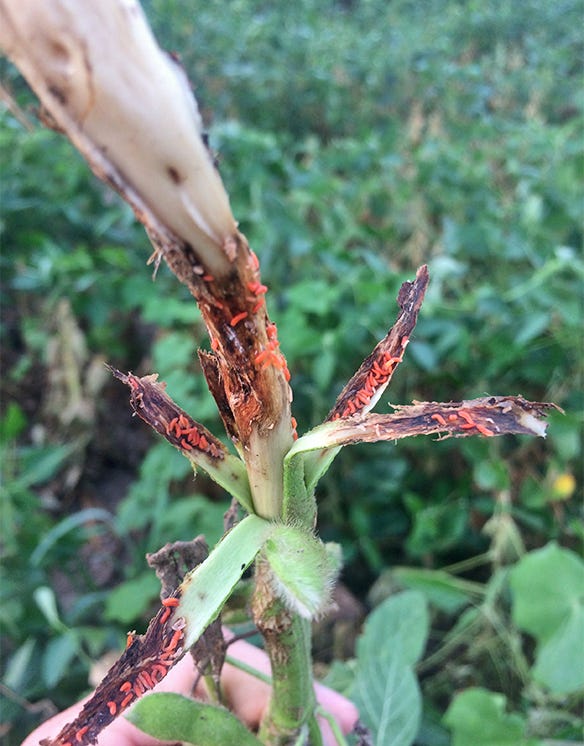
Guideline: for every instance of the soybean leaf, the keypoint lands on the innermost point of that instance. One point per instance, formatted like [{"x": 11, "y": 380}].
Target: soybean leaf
[
  {"x": 386, "y": 690},
  {"x": 389, "y": 701},
  {"x": 57, "y": 656},
  {"x": 478, "y": 716},
  {"x": 398, "y": 626},
  {"x": 445, "y": 591},
  {"x": 548, "y": 604},
  {"x": 131, "y": 599}
]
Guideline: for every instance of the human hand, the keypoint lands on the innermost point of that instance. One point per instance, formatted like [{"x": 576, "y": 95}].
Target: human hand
[{"x": 247, "y": 697}]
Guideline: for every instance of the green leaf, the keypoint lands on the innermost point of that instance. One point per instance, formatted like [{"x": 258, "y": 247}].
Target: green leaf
[
  {"x": 548, "y": 603},
  {"x": 185, "y": 515},
  {"x": 88, "y": 516},
  {"x": 40, "y": 464},
  {"x": 57, "y": 656},
  {"x": 314, "y": 296},
  {"x": 47, "y": 603},
  {"x": 401, "y": 621},
  {"x": 18, "y": 665},
  {"x": 131, "y": 599},
  {"x": 386, "y": 690},
  {"x": 13, "y": 423},
  {"x": 443, "y": 590},
  {"x": 477, "y": 716},
  {"x": 341, "y": 677},
  {"x": 389, "y": 701},
  {"x": 546, "y": 584},
  {"x": 172, "y": 717},
  {"x": 491, "y": 475},
  {"x": 559, "y": 664},
  {"x": 437, "y": 528}
]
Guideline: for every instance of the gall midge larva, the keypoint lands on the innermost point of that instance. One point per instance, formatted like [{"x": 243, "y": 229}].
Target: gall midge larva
[
  {"x": 126, "y": 701},
  {"x": 238, "y": 317}
]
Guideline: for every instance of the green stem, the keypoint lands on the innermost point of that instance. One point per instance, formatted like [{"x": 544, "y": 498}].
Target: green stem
[
  {"x": 468, "y": 564},
  {"x": 299, "y": 504},
  {"x": 287, "y": 638},
  {"x": 334, "y": 726},
  {"x": 246, "y": 668},
  {"x": 212, "y": 691}
]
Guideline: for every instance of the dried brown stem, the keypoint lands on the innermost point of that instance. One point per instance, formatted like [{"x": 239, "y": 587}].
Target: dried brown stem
[
  {"x": 146, "y": 661},
  {"x": 152, "y": 404},
  {"x": 488, "y": 416}
]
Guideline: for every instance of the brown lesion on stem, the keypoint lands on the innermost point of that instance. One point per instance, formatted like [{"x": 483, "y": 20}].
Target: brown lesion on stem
[
  {"x": 171, "y": 563},
  {"x": 211, "y": 371},
  {"x": 287, "y": 643},
  {"x": 245, "y": 360},
  {"x": 369, "y": 382},
  {"x": 146, "y": 661}
]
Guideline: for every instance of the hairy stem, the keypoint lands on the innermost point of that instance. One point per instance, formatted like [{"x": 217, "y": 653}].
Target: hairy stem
[{"x": 287, "y": 638}]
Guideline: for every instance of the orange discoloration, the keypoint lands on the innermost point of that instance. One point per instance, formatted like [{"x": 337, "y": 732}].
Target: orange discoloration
[{"x": 257, "y": 288}]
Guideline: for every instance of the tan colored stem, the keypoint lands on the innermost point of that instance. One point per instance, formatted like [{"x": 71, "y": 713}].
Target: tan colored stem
[{"x": 103, "y": 80}]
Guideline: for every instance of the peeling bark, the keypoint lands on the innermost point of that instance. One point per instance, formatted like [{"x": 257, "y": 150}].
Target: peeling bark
[
  {"x": 365, "y": 388},
  {"x": 146, "y": 661},
  {"x": 152, "y": 404},
  {"x": 487, "y": 416}
]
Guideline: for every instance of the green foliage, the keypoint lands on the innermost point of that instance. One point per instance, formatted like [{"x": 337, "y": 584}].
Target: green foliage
[
  {"x": 356, "y": 140},
  {"x": 381, "y": 681},
  {"x": 478, "y": 716},
  {"x": 540, "y": 595},
  {"x": 548, "y": 604}
]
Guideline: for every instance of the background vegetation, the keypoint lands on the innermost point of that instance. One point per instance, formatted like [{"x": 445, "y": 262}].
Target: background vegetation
[{"x": 357, "y": 140}]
